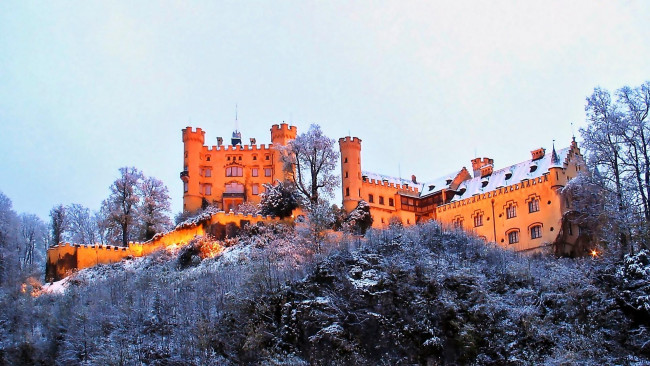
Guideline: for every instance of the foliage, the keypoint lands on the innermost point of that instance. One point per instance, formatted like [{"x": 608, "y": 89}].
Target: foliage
[
  {"x": 279, "y": 200},
  {"x": 359, "y": 220},
  {"x": 311, "y": 160},
  {"x": 406, "y": 295}
]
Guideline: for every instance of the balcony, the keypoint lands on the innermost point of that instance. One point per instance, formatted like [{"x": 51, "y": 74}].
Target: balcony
[{"x": 185, "y": 176}]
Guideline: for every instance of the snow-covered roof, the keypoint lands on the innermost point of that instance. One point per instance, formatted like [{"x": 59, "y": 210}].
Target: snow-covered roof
[
  {"x": 389, "y": 179},
  {"x": 438, "y": 184},
  {"x": 510, "y": 175}
]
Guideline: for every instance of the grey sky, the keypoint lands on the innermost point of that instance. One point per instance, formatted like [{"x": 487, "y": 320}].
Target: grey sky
[{"x": 88, "y": 87}]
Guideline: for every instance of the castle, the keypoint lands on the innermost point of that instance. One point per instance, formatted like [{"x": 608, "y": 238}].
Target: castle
[
  {"x": 519, "y": 207},
  {"x": 227, "y": 176}
]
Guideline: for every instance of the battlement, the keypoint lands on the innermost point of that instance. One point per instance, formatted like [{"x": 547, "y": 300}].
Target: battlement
[
  {"x": 262, "y": 147},
  {"x": 500, "y": 191},
  {"x": 478, "y": 163},
  {"x": 190, "y": 134},
  {"x": 386, "y": 184},
  {"x": 348, "y": 139},
  {"x": 284, "y": 127}
]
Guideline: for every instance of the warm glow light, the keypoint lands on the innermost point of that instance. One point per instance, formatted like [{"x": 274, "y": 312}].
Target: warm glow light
[{"x": 594, "y": 253}]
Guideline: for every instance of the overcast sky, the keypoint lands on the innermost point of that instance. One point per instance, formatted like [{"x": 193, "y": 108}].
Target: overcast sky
[{"x": 88, "y": 87}]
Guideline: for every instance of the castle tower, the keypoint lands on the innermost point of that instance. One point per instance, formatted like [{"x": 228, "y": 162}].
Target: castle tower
[
  {"x": 350, "y": 171},
  {"x": 556, "y": 170},
  {"x": 193, "y": 144},
  {"x": 280, "y": 136}
]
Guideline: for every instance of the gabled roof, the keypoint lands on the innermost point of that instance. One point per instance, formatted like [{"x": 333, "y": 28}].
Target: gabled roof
[
  {"x": 438, "y": 184},
  {"x": 511, "y": 175}
]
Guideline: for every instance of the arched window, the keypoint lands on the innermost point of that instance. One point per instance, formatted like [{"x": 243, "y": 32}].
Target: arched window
[
  {"x": 535, "y": 231},
  {"x": 513, "y": 236},
  {"x": 458, "y": 222}
]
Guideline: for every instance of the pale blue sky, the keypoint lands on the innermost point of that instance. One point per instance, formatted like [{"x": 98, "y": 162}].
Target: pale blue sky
[{"x": 88, "y": 87}]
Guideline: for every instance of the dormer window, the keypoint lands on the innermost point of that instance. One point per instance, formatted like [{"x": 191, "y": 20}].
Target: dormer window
[
  {"x": 448, "y": 181},
  {"x": 431, "y": 187},
  {"x": 533, "y": 167},
  {"x": 462, "y": 191},
  {"x": 484, "y": 182},
  {"x": 508, "y": 175}
]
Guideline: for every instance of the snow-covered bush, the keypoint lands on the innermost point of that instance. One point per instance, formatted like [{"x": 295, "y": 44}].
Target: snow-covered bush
[{"x": 279, "y": 200}]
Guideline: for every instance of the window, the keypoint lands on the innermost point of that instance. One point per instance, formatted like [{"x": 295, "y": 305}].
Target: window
[
  {"x": 536, "y": 232},
  {"x": 347, "y": 191},
  {"x": 255, "y": 172},
  {"x": 208, "y": 172},
  {"x": 391, "y": 202},
  {"x": 533, "y": 205},
  {"x": 267, "y": 157},
  {"x": 478, "y": 219},
  {"x": 381, "y": 200},
  {"x": 268, "y": 172},
  {"x": 371, "y": 198},
  {"x": 234, "y": 171},
  {"x": 185, "y": 187},
  {"x": 344, "y": 160},
  {"x": 254, "y": 157},
  {"x": 208, "y": 189},
  {"x": 346, "y": 174},
  {"x": 207, "y": 158},
  {"x": 513, "y": 237},
  {"x": 511, "y": 211},
  {"x": 234, "y": 188},
  {"x": 255, "y": 189},
  {"x": 239, "y": 158}
]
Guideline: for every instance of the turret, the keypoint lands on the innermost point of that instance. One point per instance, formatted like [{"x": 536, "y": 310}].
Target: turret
[
  {"x": 193, "y": 143},
  {"x": 350, "y": 171},
  {"x": 556, "y": 170},
  {"x": 282, "y": 134},
  {"x": 479, "y": 163}
]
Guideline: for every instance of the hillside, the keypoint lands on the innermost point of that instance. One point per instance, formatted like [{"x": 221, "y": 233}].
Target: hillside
[{"x": 417, "y": 295}]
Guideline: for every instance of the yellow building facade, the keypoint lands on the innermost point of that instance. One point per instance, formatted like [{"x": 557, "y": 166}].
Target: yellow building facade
[
  {"x": 519, "y": 207},
  {"x": 229, "y": 175}
]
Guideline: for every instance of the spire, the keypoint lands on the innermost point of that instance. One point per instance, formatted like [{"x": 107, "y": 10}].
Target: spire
[
  {"x": 555, "y": 159},
  {"x": 236, "y": 135}
]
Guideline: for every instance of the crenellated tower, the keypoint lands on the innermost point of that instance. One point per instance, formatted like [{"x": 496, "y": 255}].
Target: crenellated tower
[
  {"x": 350, "y": 171},
  {"x": 281, "y": 135},
  {"x": 193, "y": 141}
]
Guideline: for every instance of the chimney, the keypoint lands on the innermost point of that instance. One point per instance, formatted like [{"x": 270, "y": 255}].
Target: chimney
[
  {"x": 253, "y": 141},
  {"x": 219, "y": 141},
  {"x": 479, "y": 163},
  {"x": 415, "y": 181},
  {"x": 538, "y": 154}
]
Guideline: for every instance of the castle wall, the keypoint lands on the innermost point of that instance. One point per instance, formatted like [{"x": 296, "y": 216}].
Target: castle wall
[{"x": 64, "y": 258}]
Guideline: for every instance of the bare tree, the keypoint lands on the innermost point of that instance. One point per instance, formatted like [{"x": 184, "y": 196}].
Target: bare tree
[
  {"x": 82, "y": 226},
  {"x": 311, "y": 160},
  {"x": 120, "y": 208},
  {"x": 32, "y": 234},
  {"x": 617, "y": 142},
  {"x": 153, "y": 212},
  {"x": 58, "y": 223}
]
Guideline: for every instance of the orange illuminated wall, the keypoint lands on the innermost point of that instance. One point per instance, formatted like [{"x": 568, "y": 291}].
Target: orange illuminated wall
[
  {"x": 227, "y": 175},
  {"x": 64, "y": 258}
]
